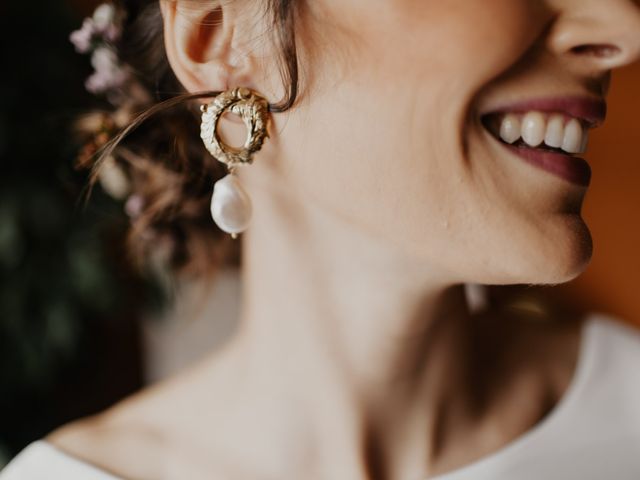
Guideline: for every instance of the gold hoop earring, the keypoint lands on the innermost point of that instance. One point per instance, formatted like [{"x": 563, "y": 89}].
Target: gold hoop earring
[{"x": 231, "y": 207}]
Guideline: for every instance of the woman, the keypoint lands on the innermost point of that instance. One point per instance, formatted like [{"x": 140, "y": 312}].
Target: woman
[{"x": 430, "y": 145}]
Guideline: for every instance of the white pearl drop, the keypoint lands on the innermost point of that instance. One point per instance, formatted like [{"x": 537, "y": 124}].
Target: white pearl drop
[{"x": 230, "y": 205}]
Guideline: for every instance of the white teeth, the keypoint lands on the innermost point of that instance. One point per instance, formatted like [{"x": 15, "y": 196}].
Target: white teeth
[
  {"x": 510, "y": 128},
  {"x": 533, "y": 128},
  {"x": 536, "y": 128},
  {"x": 555, "y": 131},
  {"x": 572, "y": 136}
]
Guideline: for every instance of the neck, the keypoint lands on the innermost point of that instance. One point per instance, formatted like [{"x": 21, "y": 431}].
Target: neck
[{"x": 360, "y": 349}]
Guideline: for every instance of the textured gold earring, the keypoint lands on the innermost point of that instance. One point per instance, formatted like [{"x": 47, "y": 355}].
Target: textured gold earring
[{"x": 231, "y": 207}]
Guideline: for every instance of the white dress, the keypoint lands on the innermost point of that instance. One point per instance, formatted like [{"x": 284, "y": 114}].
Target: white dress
[{"x": 592, "y": 433}]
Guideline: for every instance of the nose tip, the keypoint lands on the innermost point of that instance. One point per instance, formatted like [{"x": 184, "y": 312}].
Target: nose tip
[{"x": 604, "y": 35}]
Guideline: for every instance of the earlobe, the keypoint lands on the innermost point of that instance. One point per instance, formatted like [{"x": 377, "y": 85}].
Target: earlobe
[{"x": 199, "y": 41}]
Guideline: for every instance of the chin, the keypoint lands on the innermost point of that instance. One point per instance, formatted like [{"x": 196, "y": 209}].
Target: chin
[
  {"x": 566, "y": 254},
  {"x": 551, "y": 256}
]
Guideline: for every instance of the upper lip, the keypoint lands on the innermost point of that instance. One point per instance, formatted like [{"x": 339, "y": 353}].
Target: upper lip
[{"x": 589, "y": 110}]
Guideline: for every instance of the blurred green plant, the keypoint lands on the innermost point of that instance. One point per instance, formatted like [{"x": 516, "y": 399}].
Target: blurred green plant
[{"x": 61, "y": 266}]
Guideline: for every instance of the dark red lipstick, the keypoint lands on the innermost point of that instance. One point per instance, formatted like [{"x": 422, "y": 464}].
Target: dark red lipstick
[
  {"x": 573, "y": 169},
  {"x": 591, "y": 113}
]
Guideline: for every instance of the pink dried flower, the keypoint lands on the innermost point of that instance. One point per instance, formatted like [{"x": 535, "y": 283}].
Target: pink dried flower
[
  {"x": 111, "y": 33},
  {"x": 108, "y": 74},
  {"x": 104, "y": 59},
  {"x": 96, "y": 83},
  {"x": 101, "y": 82},
  {"x": 103, "y": 25},
  {"x": 97, "y": 36},
  {"x": 134, "y": 205},
  {"x": 82, "y": 38},
  {"x": 105, "y": 20},
  {"x": 104, "y": 16}
]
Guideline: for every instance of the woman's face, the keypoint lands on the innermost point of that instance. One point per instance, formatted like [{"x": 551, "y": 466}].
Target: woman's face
[{"x": 392, "y": 134}]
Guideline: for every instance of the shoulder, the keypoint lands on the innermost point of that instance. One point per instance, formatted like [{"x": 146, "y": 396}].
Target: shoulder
[
  {"x": 113, "y": 444},
  {"x": 113, "y": 441},
  {"x": 138, "y": 437}
]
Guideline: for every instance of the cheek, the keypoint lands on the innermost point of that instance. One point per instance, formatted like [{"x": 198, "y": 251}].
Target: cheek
[
  {"x": 382, "y": 140},
  {"x": 358, "y": 156},
  {"x": 476, "y": 37}
]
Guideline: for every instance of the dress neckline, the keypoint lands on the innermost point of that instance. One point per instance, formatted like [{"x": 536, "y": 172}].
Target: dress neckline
[{"x": 572, "y": 394}]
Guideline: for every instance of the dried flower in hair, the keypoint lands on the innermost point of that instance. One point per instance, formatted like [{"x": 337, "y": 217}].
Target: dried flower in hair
[
  {"x": 134, "y": 205},
  {"x": 82, "y": 38},
  {"x": 162, "y": 171},
  {"x": 97, "y": 36},
  {"x": 103, "y": 26},
  {"x": 114, "y": 180},
  {"x": 113, "y": 80},
  {"x": 105, "y": 21},
  {"x": 95, "y": 130},
  {"x": 109, "y": 73}
]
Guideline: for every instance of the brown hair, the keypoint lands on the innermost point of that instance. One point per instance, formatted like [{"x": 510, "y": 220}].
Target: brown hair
[{"x": 160, "y": 149}]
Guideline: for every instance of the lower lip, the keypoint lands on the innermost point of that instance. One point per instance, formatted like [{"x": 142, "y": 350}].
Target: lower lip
[{"x": 573, "y": 169}]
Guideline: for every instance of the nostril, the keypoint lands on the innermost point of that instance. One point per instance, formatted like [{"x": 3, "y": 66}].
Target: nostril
[{"x": 599, "y": 51}]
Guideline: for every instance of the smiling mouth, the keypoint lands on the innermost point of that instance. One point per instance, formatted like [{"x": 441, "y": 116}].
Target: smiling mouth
[
  {"x": 549, "y": 133},
  {"x": 555, "y": 132}
]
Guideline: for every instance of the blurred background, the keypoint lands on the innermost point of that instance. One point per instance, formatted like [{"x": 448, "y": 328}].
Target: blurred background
[{"x": 80, "y": 328}]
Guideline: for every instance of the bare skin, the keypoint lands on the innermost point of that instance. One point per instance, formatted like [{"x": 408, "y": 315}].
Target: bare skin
[
  {"x": 375, "y": 200},
  {"x": 520, "y": 375}
]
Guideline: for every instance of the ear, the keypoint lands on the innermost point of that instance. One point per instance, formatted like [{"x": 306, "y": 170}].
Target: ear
[{"x": 201, "y": 41}]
